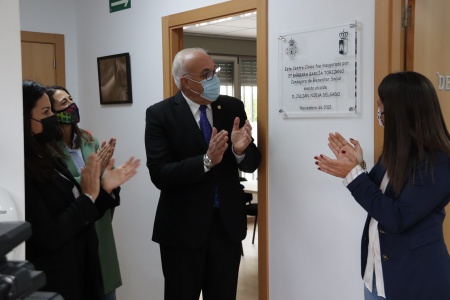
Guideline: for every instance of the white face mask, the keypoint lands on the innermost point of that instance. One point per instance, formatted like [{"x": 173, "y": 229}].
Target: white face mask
[{"x": 380, "y": 121}]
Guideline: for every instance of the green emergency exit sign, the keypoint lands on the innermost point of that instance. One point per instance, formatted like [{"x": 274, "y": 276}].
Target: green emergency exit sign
[{"x": 117, "y": 5}]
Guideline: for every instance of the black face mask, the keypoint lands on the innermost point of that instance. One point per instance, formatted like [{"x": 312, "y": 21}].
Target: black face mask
[{"x": 49, "y": 129}]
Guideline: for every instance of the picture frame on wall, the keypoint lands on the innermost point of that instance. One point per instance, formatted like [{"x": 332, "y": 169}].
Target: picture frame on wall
[{"x": 114, "y": 79}]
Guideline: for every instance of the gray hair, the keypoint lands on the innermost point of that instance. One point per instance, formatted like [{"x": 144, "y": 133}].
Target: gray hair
[{"x": 178, "y": 63}]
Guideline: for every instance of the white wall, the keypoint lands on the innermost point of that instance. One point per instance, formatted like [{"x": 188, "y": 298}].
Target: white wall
[
  {"x": 314, "y": 223},
  {"x": 315, "y": 226},
  {"x": 55, "y": 16},
  {"x": 11, "y": 151},
  {"x": 11, "y": 133},
  {"x": 137, "y": 31}
]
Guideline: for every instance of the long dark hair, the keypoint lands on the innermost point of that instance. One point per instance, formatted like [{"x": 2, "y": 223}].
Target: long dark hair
[
  {"x": 80, "y": 133},
  {"x": 38, "y": 156},
  {"x": 414, "y": 125}
]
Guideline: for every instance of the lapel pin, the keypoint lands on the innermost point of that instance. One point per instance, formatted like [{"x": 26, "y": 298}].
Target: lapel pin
[{"x": 219, "y": 107}]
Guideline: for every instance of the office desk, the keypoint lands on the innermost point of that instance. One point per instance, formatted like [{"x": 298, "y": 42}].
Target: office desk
[{"x": 250, "y": 186}]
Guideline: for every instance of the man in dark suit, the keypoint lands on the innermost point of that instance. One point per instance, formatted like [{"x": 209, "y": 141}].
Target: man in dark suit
[{"x": 200, "y": 220}]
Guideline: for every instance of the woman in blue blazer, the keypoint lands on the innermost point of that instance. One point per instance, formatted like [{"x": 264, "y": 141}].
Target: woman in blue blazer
[{"x": 403, "y": 252}]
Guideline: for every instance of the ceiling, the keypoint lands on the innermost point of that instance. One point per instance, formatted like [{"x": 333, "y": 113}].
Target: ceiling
[{"x": 240, "y": 26}]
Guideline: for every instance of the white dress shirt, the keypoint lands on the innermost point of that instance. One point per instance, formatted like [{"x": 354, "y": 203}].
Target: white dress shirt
[
  {"x": 195, "y": 109},
  {"x": 76, "y": 155},
  {"x": 374, "y": 254}
]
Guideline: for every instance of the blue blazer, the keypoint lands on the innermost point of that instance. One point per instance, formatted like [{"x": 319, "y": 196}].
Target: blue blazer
[{"x": 414, "y": 257}]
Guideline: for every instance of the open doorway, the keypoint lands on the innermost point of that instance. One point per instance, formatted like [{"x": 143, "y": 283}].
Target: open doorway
[
  {"x": 173, "y": 41},
  {"x": 231, "y": 42}
]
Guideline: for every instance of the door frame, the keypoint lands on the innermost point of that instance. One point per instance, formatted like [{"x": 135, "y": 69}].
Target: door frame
[
  {"x": 388, "y": 15},
  {"x": 50, "y": 38},
  {"x": 172, "y": 42}
]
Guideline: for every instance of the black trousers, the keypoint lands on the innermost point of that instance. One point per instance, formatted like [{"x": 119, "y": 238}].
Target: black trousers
[{"x": 212, "y": 269}]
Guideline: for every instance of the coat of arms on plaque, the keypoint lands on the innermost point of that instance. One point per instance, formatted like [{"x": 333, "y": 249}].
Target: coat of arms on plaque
[
  {"x": 343, "y": 42},
  {"x": 292, "y": 49}
]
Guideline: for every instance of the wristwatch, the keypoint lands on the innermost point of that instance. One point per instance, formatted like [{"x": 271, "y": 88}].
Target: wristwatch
[{"x": 207, "y": 161}]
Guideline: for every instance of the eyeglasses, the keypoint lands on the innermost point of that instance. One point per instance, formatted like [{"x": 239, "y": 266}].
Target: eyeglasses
[{"x": 208, "y": 75}]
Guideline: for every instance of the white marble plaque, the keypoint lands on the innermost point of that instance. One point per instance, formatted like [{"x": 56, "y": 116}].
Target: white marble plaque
[{"x": 318, "y": 72}]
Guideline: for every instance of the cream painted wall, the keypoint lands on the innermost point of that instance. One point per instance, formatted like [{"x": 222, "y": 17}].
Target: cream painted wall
[{"x": 315, "y": 225}]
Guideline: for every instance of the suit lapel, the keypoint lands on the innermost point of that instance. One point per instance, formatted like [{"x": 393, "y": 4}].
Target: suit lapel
[
  {"x": 66, "y": 173},
  {"x": 217, "y": 114},
  {"x": 378, "y": 178},
  {"x": 86, "y": 150},
  {"x": 68, "y": 159},
  {"x": 187, "y": 119}
]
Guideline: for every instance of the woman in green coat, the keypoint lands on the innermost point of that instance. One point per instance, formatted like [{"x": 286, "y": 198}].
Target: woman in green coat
[{"x": 75, "y": 146}]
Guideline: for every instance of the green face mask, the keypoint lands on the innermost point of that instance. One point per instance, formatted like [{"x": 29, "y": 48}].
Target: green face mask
[{"x": 70, "y": 115}]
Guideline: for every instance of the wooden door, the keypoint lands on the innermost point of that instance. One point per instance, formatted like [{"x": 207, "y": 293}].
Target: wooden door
[
  {"x": 431, "y": 57},
  {"x": 420, "y": 42},
  {"x": 43, "y": 58},
  {"x": 38, "y": 61}
]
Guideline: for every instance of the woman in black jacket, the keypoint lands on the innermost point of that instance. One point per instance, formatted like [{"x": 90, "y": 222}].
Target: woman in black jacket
[{"x": 62, "y": 211}]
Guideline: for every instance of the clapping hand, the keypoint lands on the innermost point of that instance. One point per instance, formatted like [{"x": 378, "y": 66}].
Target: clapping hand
[
  {"x": 90, "y": 176},
  {"x": 241, "y": 137},
  {"x": 217, "y": 145},
  {"x": 105, "y": 153},
  {"x": 347, "y": 156},
  {"x": 114, "y": 177},
  {"x": 341, "y": 148}
]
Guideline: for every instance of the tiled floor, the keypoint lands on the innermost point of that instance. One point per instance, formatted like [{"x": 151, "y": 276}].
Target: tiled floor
[{"x": 248, "y": 272}]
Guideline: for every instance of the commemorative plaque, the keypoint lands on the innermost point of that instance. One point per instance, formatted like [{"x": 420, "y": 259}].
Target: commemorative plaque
[{"x": 318, "y": 72}]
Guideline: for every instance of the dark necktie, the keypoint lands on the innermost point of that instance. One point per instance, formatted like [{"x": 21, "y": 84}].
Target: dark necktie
[{"x": 205, "y": 126}]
